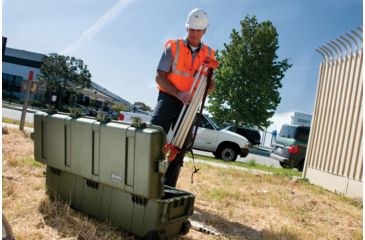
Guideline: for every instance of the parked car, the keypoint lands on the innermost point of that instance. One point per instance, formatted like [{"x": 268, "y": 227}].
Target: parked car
[
  {"x": 224, "y": 144},
  {"x": 128, "y": 116},
  {"x": 290, "y": 146},
  {"x": 252, "y": 135},
  {"x": 92, "y": 112},
  {"x": 88, "y": 111}
]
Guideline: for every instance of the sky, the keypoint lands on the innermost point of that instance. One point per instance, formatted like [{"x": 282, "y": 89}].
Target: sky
[{"x": 121, "y": 41}]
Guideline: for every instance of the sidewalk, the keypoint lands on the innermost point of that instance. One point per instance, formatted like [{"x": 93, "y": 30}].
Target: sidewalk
[{"x": 20, "y": 107}]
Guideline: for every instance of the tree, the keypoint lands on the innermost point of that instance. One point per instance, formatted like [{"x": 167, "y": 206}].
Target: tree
[
  {"x": 63, "y": 76},
  {"x": 142, "y": 106},
  {"x": 249, "y": 76},
  {"x": 120, "y": 107}
]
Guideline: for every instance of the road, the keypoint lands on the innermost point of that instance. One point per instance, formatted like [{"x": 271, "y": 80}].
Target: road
[
  {"x": 16, "y": 114},
  {"x": 259, "y": 158}
]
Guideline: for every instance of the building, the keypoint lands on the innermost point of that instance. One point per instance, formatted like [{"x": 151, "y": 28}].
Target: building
[
  {"x": 16, "y": 67},
  {"x": 99, "y": 92}
]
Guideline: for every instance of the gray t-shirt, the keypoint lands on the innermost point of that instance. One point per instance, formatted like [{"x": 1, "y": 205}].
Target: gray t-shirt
[{"x": 166, "y": 58}]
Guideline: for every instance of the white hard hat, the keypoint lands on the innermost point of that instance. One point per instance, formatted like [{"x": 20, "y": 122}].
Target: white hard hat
[{"x": 197, "y": 19}]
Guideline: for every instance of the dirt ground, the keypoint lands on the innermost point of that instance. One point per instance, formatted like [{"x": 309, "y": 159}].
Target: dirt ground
[{"x": 238, "y": 205}]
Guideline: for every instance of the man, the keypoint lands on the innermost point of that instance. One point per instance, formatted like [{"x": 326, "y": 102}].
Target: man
[{"x": 175, "y": 76}]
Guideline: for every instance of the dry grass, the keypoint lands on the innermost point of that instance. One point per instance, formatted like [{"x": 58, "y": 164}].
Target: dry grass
[
  {"x": 30, "y": 213},
  {"x": 17, "y": 122},
  {"x": 242, "y": 205},
  {"x": 238, "y": 204}
]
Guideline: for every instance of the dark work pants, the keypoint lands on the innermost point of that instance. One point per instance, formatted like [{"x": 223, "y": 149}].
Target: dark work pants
[{"x": 165, "y": 115}]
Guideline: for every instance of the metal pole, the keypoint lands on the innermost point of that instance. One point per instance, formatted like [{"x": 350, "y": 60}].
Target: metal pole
[
  {"x": 25, "y": 106},
  {"x": 191, "y": 114},
  {"x": 182, "y": 113},
  {"x": 188, "y": 114},
  {"x": 177, "y": 126}
]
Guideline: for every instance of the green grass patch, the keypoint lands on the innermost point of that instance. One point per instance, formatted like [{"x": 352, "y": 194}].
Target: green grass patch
[
  {"x": 219, "y": 194},
  {"x": 356, "y": 202},
  {"x": 251, "y": 165},
  {"x": 17, "y": 122},
  {"x": 27, "y": 161},
  {"x": 36, "y": 164},
  {"x": 7, "y": 105}
]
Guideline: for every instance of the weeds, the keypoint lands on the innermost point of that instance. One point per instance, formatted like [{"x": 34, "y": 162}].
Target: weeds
[
  {"x": 17, "y": 122},
  {"x": 252, "y": 163}
]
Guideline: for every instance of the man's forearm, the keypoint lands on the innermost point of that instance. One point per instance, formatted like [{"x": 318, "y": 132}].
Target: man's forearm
[{"x": 162, "y": 80}]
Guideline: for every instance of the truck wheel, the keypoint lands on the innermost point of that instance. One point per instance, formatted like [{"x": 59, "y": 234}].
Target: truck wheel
[
  {"x": 301, "y": 165},
  {"x": 284, "y": 165},
  {"x": 227, "y": 153}
]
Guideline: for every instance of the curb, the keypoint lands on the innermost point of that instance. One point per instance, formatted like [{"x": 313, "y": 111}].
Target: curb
[{"x": 222, "y": 165}]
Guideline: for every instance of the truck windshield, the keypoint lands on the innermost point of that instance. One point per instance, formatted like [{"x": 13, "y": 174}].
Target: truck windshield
[
  {"x": 287, "y": 131},
  {"x": 295, "y": 132},
  {"x": 212, "y": 122}
]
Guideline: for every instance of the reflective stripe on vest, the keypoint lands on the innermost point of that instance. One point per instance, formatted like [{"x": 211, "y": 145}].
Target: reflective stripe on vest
[
  {"x": 174, "y": 64},
  {"x": 208, "y": 51}
]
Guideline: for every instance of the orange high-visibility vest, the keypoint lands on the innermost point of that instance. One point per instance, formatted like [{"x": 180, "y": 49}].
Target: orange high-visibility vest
[{"x": 183, "y": 69}]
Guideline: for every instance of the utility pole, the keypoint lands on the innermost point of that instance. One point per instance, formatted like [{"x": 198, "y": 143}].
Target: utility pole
[{"x": 27, "y": 93}]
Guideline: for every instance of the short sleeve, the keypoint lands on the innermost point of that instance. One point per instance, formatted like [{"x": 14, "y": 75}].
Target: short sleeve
[{"x": 166, "y": 60}]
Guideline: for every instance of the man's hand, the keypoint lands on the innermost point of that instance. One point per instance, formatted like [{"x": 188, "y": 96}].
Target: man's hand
[
  {"x": 184, "y": 97},
  {"x": 161, "y": 79},
  {"x": 212, "y": 63},
  {"x": 211, "y": 86}
]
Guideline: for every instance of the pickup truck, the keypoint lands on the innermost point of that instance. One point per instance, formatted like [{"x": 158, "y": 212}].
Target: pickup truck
[{"x": 224, "y": 144}]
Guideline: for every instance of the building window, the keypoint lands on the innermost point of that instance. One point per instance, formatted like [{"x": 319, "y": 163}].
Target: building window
[{"x": 12, "y": 83}]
